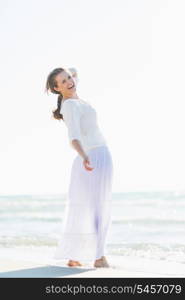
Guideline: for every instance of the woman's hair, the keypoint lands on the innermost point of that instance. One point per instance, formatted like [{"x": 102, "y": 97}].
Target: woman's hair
[{"x": 50, "y": 84}]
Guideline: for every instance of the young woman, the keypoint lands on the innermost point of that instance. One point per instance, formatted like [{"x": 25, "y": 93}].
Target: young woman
[{"x": 88, "y": 210}]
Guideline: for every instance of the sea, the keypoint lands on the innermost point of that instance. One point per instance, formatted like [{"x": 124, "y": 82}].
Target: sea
[{"x": 144, "y": 225}]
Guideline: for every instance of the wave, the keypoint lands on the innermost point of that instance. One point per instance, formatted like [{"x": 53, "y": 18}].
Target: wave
[
  {"x": 26, "y": 241},
  {"x": 150, "y": 221},
  {"x": 58, "y": 217},
  {"x": 167, "y": 252}
]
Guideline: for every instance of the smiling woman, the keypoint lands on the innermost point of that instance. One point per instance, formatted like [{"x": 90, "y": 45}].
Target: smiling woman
[
  {"x": 88, "y": 211},
  {"x": 58, "y": 82}
]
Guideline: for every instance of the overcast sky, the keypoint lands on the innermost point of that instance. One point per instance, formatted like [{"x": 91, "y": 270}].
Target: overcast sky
[{"x": 131, "y": 67}]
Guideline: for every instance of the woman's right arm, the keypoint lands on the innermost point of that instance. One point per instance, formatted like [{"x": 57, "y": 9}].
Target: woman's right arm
[
  {"x": 71, "y": 116},
  {"x": 78, "y": 147}
]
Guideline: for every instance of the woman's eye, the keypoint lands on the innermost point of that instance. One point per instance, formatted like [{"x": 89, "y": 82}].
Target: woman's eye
[{"x": 69, "y": 76}]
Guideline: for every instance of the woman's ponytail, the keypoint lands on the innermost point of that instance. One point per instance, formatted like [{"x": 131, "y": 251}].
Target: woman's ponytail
[{"x": 50, "y": 84}]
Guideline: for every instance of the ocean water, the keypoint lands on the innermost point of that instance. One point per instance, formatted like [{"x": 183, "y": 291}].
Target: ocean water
[{"x": 144, "y": 224}]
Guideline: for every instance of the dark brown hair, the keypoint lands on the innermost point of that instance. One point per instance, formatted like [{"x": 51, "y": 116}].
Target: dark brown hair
[{"x": 50, "y": 84}]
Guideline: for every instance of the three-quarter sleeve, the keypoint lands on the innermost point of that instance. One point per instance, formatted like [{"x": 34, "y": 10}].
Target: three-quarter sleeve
[{"x": 71, "y": 114}]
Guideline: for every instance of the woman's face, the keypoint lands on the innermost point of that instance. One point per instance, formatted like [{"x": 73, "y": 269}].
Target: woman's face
[{"x": 66, "y": 84}]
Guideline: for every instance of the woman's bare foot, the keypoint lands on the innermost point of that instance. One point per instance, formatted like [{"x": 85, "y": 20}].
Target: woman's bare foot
[
  {"x": 101, "y": 263},
  {"x": 74, "y": 263}
]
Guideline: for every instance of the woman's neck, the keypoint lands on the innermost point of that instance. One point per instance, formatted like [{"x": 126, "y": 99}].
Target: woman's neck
[{"x": 75, "y": 96}]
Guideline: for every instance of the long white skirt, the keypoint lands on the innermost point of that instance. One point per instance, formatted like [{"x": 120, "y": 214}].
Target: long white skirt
[{"x": 87, "y": 214}]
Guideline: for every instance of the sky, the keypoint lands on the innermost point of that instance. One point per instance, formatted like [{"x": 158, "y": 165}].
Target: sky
[{"x": 129, "y": 55}]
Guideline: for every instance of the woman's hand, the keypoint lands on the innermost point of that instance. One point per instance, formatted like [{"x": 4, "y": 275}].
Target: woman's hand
[
  {"x": 86, "y": 162},
  {"x": 78, "y": 147}
]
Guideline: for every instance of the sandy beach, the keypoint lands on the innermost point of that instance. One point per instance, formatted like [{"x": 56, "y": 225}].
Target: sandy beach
[{"x": 122, "y": 267}]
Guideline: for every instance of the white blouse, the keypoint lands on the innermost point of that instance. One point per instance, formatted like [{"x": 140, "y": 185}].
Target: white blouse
[{"x": 81, "y": 120}]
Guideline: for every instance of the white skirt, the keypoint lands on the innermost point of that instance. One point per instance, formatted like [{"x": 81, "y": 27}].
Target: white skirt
[{"x": 87, "y": 214}]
